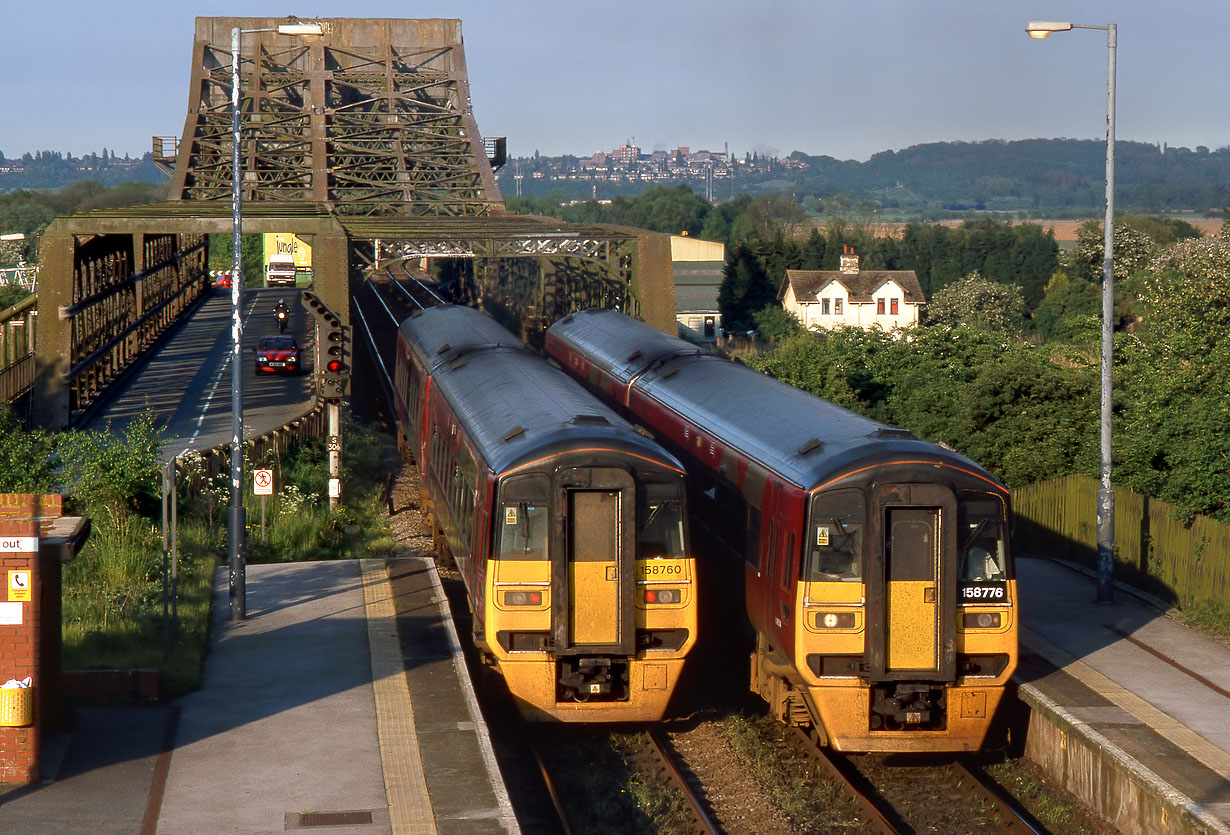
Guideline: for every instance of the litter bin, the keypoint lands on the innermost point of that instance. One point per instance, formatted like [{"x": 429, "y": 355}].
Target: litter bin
[{"x": 16, "y": 707}]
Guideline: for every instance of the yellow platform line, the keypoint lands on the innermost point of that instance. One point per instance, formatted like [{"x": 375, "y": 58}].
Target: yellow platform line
[
  {"x": 1170, "y": 728},
  {"x": 404, "y": 782}
]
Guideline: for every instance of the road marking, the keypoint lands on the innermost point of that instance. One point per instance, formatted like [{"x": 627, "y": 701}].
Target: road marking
[{"x": 213, "y": 389}]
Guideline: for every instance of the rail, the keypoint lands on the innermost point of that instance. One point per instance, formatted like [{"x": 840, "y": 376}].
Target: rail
[{"x": 17, "y": 334}]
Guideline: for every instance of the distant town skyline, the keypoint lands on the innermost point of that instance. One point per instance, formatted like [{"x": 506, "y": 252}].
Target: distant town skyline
[{"x": 836, "y": 78}]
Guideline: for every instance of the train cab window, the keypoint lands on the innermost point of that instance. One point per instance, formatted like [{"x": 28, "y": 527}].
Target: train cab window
[
  {"x": 523, "y": 518},
  {"x": 661, "y": 522},
  {"x": 984, "y": 553},
  {"x": 835, "y": 535}
]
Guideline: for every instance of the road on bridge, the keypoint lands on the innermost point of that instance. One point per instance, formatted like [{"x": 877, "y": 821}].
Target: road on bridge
[{"x": 186, "y": 381}]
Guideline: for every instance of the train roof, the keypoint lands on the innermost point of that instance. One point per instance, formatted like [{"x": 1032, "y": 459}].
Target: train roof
[
  {"x": 802, "y": 438},
  {"x": 443, "y": 333},
  {"x": 516, "y": 408}
]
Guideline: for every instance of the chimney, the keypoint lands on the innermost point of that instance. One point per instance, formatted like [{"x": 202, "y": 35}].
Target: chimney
[{"x": 849, "y": 261}]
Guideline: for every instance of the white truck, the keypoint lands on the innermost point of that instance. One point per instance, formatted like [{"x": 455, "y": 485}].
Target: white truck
[{"x": 280, "y": 271}]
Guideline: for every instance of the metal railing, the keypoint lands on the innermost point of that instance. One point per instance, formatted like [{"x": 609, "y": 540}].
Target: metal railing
[{"x": 17, "y": 335}]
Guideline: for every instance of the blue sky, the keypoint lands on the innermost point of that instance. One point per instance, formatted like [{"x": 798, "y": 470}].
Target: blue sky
[{"x": 847, "y": 78}]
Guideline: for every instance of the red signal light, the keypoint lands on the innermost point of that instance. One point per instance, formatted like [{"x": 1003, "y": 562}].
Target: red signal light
[{"x": 334, "y": 365}]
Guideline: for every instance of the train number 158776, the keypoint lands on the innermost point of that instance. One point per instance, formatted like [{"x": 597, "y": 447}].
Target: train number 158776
[{"x": 984, "y": 592}]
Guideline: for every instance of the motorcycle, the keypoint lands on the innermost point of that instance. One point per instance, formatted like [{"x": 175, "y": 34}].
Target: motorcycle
[{"x": 281, "y": 312}]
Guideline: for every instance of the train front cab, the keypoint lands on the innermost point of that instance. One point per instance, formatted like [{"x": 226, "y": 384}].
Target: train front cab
[
  {"x": 909, "y": 628},
  {"x": 592, "y": 604}
]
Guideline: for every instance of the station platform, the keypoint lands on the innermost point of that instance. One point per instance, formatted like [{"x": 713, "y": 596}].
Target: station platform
[
  {"x": 341, "y": 704},
  {"x": 1129, "y": 707}
]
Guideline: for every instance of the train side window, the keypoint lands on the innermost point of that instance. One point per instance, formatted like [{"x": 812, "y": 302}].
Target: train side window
[
  {"x": 983, "y": 546},
  {"x": 661, "y": 521},
  {"x": 523, "y": 518},
  {"x": 752, "y": 546},
  {"x": 789, "y": 560},
  {"x": 834, "y": 550}
]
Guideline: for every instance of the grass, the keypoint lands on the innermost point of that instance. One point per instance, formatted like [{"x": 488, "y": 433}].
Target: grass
[
  {"x": 113, "y": 590},
  {"x": 800, "y": 790},
  {"x": 1060, "y": 815},
  {"x": 1211, "y": 617}
]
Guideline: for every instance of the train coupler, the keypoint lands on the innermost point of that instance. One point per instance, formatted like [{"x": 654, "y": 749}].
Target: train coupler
[
  {"x": 907, "y": 706},
  {"x": 592, "y": 679}
]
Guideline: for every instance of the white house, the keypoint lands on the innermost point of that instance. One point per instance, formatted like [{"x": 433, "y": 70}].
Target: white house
[{"x": 852, "y": 297}]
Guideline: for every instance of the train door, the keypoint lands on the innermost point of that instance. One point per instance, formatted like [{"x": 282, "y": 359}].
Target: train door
[
  {"x": 596, "y": 579},
  {"x": 915, "y": 602}
]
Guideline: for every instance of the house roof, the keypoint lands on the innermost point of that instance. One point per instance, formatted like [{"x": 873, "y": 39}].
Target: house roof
[{"x": 860, "y": 286}]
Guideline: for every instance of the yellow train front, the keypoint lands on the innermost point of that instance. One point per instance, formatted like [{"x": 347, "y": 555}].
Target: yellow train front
[
  {"x": 873, "y": 567},
  {"x": 569, "y": 528}
]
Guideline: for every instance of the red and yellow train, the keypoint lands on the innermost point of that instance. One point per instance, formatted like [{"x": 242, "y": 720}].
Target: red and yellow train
[
  {"x": 874, "y": 567},
  {"x": 569, "y": 528}
]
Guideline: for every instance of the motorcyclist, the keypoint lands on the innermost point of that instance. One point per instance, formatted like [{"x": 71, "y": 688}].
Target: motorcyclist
[{"x": 282, "y": 312}]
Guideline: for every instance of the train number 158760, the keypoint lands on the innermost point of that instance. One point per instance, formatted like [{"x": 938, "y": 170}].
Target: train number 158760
[{"x": 660, "y": 569}]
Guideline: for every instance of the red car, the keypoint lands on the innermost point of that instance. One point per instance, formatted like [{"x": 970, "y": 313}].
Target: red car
[
  {"x": 277, "y": 354},
  {"x": 222, "y": 281}
]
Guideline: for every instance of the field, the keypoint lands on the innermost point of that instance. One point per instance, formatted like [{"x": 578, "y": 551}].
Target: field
[{"x": 1064, "y": 230}]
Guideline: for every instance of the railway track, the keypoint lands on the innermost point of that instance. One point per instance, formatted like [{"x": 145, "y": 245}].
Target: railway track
[
  {"x": 991, "y": 808},
  {"x": 655, "y": 758}
]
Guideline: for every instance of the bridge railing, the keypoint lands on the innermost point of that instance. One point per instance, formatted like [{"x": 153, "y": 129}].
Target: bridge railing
[
  {"x": 117, "y": 313},
  {"x": 17, "y": 335},
  {"x": 197, "y": 471}
]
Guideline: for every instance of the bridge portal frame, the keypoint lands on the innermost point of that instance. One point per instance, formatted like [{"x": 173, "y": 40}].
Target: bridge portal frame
[{"x": 145, "y": 268}]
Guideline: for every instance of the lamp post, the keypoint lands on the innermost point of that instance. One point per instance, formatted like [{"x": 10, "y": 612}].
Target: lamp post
[
  {"x": 1106, "y": 495},
  {"x": 236, "y": 534}
]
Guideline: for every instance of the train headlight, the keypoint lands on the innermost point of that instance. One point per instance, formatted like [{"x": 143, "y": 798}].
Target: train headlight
[
  {"x": 980, "y": 620},
  {"x": 835, "y": 620},
  {"x": 522, "y": 598},
  {"x": 663, "y": 596}
]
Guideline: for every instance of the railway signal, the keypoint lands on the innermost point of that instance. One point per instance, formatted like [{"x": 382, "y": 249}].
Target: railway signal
[
  {"x": 336, "y": 378},
  {"x": 332, "y": 349}
]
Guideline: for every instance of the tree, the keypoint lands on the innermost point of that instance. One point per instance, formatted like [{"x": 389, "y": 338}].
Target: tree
[
  {"x": 1071, "y": 310},
  {"x": 745, "y": 288},
  {"x": 978, "y": 303},
  {"x": 774, "y": 323},
  {"x": 1173, "y": 442},
  {"x": 1133, "y": 250}
]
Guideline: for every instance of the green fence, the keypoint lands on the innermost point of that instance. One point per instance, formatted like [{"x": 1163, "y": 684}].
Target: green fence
[{"x": 1183, "y": 563}]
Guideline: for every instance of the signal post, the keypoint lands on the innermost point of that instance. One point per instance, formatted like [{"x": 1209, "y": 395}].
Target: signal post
[{"x": 332, "y": 370}]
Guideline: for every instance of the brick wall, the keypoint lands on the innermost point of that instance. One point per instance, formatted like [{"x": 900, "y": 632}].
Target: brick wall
[{"x": 24, "y": 634}]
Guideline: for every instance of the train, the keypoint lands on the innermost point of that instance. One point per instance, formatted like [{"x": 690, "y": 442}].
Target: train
[
  {"x": 874, "y": 567},
  {"x": 569, "y": 528}
]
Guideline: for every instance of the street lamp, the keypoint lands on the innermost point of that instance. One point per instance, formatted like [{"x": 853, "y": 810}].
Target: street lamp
[
  {"x": 236, "y": 534},
  {"x": 1106, "y": 495}
]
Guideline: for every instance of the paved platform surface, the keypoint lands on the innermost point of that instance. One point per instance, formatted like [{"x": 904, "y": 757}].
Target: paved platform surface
[
  {"x": 339, "y": 705},
  {"x": 1155, "y": 691}
]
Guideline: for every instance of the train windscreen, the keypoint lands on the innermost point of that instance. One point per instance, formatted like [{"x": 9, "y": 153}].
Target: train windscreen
[
  {"x": 983, "y": 546},
  {"x": 523, "y": 519},
  {"x": 661, "y": 522},
  {"x": 834, "y": 551}
]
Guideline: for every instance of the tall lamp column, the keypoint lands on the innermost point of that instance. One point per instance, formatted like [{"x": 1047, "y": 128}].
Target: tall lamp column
[
  {"x": 1106, "y": 494},
  {"x": 236, "y": 546}
]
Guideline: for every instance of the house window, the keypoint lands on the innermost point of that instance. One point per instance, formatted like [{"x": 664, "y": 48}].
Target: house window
[
  {"x": 824, "y": 307},
  {"x": 892, "y": 307},
  {"x": 837, "y": 307},
  {"x": 879, "y": 307}
]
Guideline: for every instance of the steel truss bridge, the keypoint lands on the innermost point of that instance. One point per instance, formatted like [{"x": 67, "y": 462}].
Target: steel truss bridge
[{"x": 360, "y": 141}]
